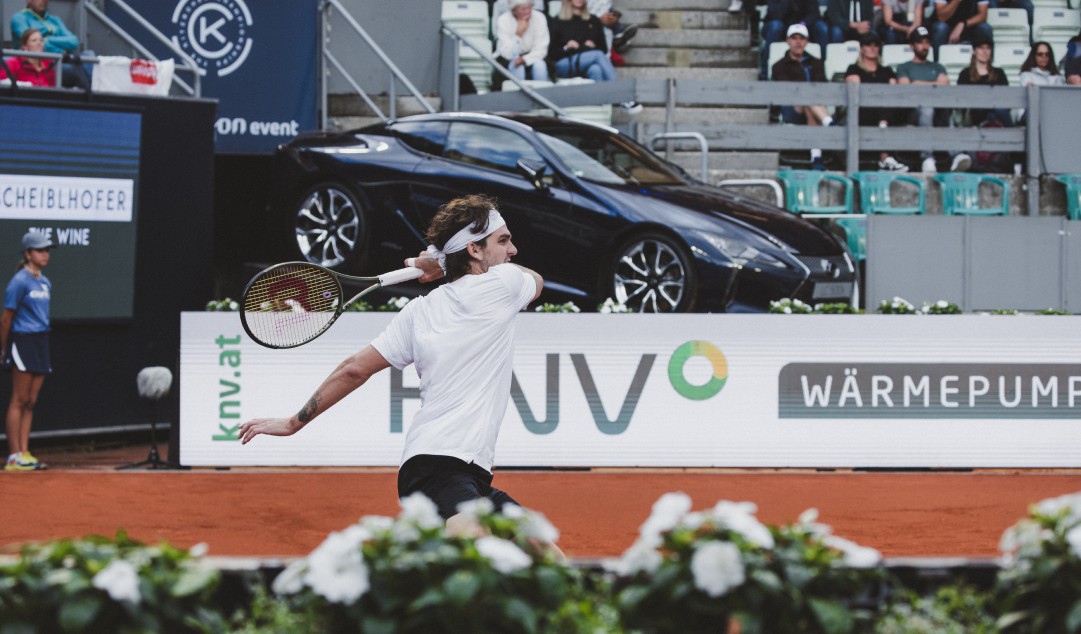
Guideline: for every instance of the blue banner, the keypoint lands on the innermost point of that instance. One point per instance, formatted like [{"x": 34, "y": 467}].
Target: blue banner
[{"x": 258, "y": 58}]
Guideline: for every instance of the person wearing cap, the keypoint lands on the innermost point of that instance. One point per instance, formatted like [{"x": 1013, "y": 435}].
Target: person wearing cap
[
  {"x": 959, "y": 21},
  {"x": 849, "y": 19},
  {"x": 899, "y": 19},
  {"x": 521, "y": 41},
  {"x": 24, "y": 342},
  {"x": 869, "y": 69},
  {"x": 922, "y": 71},
  {"x": 781, "y": 14},
  {"x": 798, "y": 65}
]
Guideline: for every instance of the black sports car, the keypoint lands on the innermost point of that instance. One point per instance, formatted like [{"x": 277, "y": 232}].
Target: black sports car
[{"x": 594, "y": 212}]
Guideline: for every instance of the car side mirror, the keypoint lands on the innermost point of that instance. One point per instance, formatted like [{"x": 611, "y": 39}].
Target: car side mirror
[{"x": 534, "y": 172}]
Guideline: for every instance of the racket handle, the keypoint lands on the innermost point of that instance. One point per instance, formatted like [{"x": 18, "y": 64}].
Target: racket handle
[{"x": 399, "y": 276}]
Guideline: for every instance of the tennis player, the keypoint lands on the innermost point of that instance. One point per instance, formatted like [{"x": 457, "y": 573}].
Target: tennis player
[{"x": 460, "y": 338}]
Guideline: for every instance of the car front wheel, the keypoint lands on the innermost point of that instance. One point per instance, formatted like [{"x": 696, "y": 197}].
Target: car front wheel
[
  {"x": 653, "y": 274},
  {"x": 329, "y": 226}
]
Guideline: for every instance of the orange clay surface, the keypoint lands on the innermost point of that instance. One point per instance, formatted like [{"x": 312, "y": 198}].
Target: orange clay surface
[{"x": 287, "y": 512}]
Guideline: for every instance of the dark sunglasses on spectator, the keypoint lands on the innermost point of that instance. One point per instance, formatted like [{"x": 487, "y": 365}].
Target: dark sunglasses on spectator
[{"x": 1043, "y": 53}]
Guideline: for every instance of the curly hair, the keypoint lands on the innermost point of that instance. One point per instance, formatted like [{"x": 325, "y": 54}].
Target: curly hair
[{"x": 452, "y": 218}]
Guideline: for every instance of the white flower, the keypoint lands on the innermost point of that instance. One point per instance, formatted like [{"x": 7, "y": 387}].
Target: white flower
[
  {"x": 1023, "y": 540},
  {"x": 1052, "y": 507},
  {"x": 477, "y": 508},
  {"x": 855, "y": 556},
  {"x": 377, "y": 524},
  {"x": 199, "y": 550},
  {"x": 120, "y": 580},
  {"x": 667, "y": 511},
  {"x": 418, "y": 509},
  {"x": 336, "y": 569},
  {"x": 1073, "y": 538},
  {"x": 739, "y": 517},
  {"x": 531, "y": 524},
  {"x": 291, "y": 580},
  {"x": 640, "y": 557},
  {"x": 787, "y": 310},
  {"x": 942, "y": 303},
  {"x": 505, "y": 556},
  {"x": 717, "y": 567}
]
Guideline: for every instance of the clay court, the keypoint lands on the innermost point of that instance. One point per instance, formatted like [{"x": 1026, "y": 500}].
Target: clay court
[{"x": 287, "y": 512}]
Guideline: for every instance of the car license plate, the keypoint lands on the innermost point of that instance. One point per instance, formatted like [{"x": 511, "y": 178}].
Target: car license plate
[{"x": 832, "y": 290}]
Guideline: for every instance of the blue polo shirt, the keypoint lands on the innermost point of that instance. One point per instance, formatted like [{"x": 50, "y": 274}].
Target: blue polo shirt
[{"x": 29, "y": 297}]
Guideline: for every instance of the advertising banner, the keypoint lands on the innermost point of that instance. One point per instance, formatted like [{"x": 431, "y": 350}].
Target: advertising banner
[
  {"x": 258, "y": 58},
  {"x": 592, "y": 390}
]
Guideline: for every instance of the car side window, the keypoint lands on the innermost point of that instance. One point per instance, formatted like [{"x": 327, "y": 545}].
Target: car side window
[
  {"x": 423, "y": 136},
  {"x": 488, "y": 146}
]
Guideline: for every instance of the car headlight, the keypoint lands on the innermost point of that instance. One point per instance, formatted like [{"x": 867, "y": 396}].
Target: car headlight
[{"x": 741, "y": 252}]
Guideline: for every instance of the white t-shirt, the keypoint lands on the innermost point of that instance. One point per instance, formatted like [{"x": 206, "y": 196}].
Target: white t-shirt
[
  {"x": 532, "y": 46},
  {"x": 460, "y": 337}
]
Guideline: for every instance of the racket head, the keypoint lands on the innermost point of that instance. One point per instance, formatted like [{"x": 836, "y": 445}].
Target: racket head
[{"x": 289, "y": 304}]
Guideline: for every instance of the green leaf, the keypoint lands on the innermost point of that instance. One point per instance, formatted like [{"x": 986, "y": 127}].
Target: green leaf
[
  {"x": 461, "y": 587},
  {"x": 193, "y": 580},
  {"x": 79, "y": 611},
  {"x": 18, "y": 627},
  {"x": 832, "y": 616},
  {"x": 1007, "y": 621},
  {"x": 372, "y": 625},
  {"x": 521, "y": 612},
  {"x": 430, "y": 598},
  {"x": 1073, "y": 617}
]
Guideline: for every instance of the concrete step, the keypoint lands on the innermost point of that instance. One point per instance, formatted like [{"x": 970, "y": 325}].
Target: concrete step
[
  {"x": 669, "y": 5},
  {"x": 345, "y": 105},
  {"x": 636, "y": 56},
  {"x": 658, "y": 72},
  {"x": 688, "y": 118},
  {"x": 679, "y": 19},
  {"x": 742, "y": 162},
  {"x": 351, "y": 122},
  {"x": 691, "y": 38}
]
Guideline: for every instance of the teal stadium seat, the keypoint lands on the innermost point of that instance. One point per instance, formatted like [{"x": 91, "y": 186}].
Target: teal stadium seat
[
  {"x": 961, "y": 194},
  {"x": 803, "y": 195},
  {"x": 875, "y": 196},
  {"x": 1072, "y": 182}
]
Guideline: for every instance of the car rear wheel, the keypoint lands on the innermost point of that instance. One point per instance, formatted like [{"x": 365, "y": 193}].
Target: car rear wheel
[
  {"x": 652, "y": 273},
  {"x": 329, "y": 226}
]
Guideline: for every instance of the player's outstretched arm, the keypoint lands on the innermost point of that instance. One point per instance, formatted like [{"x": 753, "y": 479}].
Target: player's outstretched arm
[{"x": 348, "y": 376}]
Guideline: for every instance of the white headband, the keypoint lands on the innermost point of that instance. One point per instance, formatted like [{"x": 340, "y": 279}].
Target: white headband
[{"x": 464, "y": 236}]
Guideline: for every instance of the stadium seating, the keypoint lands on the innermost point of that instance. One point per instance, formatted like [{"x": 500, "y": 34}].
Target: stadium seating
[
  {"x": 961, "y": 194},
  {"x": 955, "y": 58},
  {"x": 1052, "y": 4},
  {"x": 777, "y": 50},
  {"x": 470, "y": 19},
  {"x": 875, "y": 195},
  {"x": 803, "y": 195},
  {"x": 1010, "y": 26},
  {"x": 1055, "y": 26},
  {"x": 1072, "y": 182},
  {"x": 895, "y": 54},
  {"x": 839, "y": 55},
  {"x": 1010, "y": 58},
  {"x": 599, "y": 113}
]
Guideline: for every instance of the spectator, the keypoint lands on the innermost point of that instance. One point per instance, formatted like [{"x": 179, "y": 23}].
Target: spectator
[
  {"x": 899, "y": 19},
  {"x": 869, "y": 69},
  {"x": 797, "y": 65},
  {"x": 781, "y": 14},
  {"x": 1073, "y": 71},
  {"x": 921, "y": 71},
  {"x": 33, "y": 70},
  {"x": 58, "y": 39},
  {"x": 980, "y": 72},
  {"x": 849, "y": 19},
  {"x": 617, "y": 34},
  {"x": 578, "y": 47},
  {"x": 522, "y": 41},
  {"x": 1039, "y": 68},
  {"x": 959, "y": 21}
]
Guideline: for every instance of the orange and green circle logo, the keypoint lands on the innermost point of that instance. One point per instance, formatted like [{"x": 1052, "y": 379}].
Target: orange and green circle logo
[{"x": 679, "y": 359}]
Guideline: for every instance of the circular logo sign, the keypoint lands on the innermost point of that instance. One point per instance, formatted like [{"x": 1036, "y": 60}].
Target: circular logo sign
[
  {"x": 697, "y": 349},
  {"x": 215, "y": 33}
]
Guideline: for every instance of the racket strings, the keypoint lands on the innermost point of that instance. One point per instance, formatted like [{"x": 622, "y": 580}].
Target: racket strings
[{"x": 290, "y": 304}]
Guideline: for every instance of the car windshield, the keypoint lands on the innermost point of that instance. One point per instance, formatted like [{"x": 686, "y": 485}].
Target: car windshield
[{"x": 602, "y": 157}]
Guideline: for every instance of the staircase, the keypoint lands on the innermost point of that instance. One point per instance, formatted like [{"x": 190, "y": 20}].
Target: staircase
[{"x": 701, "y": 40}]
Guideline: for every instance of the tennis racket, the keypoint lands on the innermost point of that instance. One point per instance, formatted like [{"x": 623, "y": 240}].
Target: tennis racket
[{"x": 289, "y": 304}]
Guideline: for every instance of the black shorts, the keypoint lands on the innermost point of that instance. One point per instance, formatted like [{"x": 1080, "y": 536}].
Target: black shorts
[
  {"x": 448, "y": 482},
  {"x": 29, "y": 352}
]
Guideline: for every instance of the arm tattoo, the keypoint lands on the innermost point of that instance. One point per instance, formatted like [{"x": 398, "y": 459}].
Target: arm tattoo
[{"x": 307, "y": 413}]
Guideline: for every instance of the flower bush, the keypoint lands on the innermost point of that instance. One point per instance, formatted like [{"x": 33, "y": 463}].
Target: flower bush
[
  {"x": 567, "y": 307},
  {"x": 790, "y": 307},
  {"x": 395, "y": 304},
  {"x": 941, "y": 307},
  {"x": 952, "y": 609},
  {"x": 837, "y": 308},
  {"x": 1039, "y": 587},
  {"x": 99, "y": 584},
  {"x": 896, "y": 306},
  {"x": 222, "y": 305},
  {"x": 725, "y": 568},
  {"x": 612, "y": 306},
  {"x": 1053, "y": 311},
  {"x": 407, "y": 575}
]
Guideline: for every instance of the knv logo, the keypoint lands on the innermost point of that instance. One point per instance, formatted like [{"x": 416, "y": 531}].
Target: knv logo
[
  {"x": 685, "y": 353},
  {"x": 215, "y": 33}
]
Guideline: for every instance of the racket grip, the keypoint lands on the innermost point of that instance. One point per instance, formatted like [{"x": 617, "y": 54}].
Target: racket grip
[{"x": 399, "y": 276}]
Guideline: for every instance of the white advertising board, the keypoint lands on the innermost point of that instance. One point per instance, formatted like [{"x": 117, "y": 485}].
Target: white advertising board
[{"x": 842, "y": 391}]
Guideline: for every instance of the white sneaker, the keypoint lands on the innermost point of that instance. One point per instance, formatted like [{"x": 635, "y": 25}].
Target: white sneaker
[
  {"x": 929, "y": 166},
  {"x": 631, "y": 107},
  {"x": 961, "y": 163},
  {"x": 890, "y": 164},
  {"x": 736, "y": 6}
]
